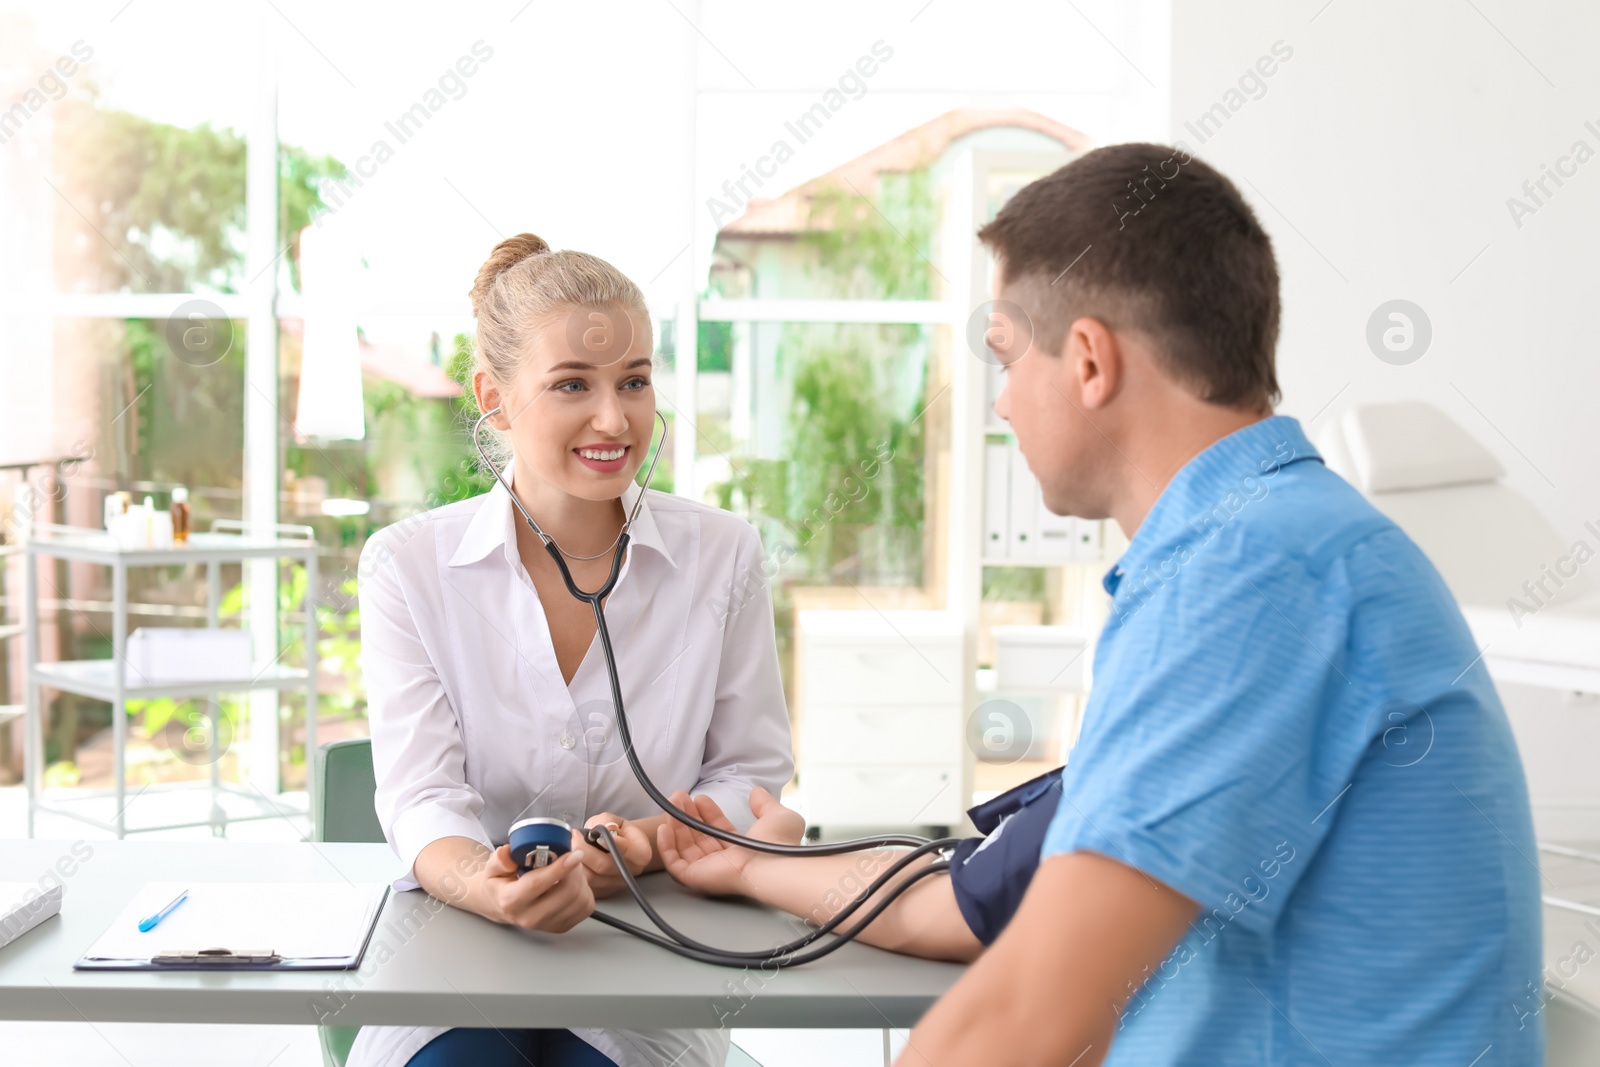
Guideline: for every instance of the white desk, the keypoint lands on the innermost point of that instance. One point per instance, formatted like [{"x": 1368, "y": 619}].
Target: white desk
[{"x": 451, "y": 969}]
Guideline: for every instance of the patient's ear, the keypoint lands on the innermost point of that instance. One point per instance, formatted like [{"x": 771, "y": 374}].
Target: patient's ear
[{"x": 1092, "y": 363}]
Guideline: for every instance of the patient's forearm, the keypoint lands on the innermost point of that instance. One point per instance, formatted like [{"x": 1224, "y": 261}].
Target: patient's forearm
[
  {"x": 923, "y": 921},
  {"x": 648, "y": 825}
]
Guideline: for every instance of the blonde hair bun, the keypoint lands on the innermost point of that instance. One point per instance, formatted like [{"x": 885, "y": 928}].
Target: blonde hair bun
[{"x": 506, "y": 254}]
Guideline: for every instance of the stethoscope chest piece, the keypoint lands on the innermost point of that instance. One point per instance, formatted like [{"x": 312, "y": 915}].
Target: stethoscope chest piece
[{"x": 538, "y": 843}]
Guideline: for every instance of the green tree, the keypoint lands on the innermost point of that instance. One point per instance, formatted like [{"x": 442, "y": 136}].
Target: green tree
[
  {"x": 161, "y": 208},
  {"x": 877, "y": 249},
  {"x": 849, "y": 497}
]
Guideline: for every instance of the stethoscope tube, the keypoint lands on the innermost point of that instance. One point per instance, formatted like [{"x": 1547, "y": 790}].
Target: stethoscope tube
[
  {"x": 777, "y": 958},
  {"x": 602, "y": 836},
  {"x": 787, "y": 955},
  {"x": 730, "y": 837}
]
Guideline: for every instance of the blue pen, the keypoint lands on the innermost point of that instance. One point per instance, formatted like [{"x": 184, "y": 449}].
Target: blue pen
[{"x": 146, "y": 925}]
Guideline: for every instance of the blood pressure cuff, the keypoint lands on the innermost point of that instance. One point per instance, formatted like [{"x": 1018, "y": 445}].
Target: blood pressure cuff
[{"x": 991, "y": 873}]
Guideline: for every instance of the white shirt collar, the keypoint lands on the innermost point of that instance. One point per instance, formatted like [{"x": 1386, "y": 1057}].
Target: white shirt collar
[{"x": 495, "y": 525}]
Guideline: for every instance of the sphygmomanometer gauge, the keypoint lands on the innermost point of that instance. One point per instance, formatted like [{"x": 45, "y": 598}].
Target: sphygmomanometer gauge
[{"x": 538, "y": 842}]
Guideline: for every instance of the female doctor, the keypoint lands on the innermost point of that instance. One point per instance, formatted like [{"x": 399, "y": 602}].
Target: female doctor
[{"x": 487, "y": 698}]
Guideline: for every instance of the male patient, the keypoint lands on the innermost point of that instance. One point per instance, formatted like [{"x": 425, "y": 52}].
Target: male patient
[{"x": 1294, "y": 829}]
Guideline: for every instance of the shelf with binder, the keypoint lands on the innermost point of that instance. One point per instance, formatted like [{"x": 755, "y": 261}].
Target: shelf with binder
[
  {"x": 115, "y": 680},
  {"x": 1018, "y": 530},
  {"x": 1003, "y": 539},
  {"x": 97, "y": 678}
]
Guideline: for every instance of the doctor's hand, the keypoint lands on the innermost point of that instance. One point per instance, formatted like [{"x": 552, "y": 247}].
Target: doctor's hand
[
  {"x": 712, "y": 866},
  {"x": 554, "y": 898},
  {"x": 604, "y": 878}
]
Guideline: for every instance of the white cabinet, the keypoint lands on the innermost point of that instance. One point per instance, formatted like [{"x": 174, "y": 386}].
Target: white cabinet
[
  {"x": 914, "y": 796},
  {"x": 879, "y": 700}
]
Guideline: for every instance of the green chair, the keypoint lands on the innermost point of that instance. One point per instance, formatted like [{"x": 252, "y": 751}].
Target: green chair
[{"x": 346, "y": 786}]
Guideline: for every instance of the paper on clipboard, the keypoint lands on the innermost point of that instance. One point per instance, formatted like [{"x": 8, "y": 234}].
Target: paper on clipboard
[{"x": 297, "y": 920}]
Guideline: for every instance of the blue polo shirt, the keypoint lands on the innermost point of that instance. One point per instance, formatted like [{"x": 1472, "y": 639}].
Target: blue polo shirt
[{"x": 1290, "y": 725}]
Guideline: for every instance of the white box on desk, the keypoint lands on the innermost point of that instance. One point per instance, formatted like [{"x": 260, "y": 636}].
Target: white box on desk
[
  {"x": 23, "y": 906},
  {"x": 158, "y": 654},
  {"x": 1040, "y": 657}
]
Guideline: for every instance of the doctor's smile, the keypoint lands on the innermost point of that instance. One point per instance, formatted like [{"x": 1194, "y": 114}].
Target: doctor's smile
[{"x": 603, "y": 459}]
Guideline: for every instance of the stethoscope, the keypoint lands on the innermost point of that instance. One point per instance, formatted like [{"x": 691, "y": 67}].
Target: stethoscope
[{"x": 537, "y": 842}]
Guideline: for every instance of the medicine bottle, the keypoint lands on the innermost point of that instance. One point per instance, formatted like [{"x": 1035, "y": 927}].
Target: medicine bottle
[{"x": 179, "y": 511}]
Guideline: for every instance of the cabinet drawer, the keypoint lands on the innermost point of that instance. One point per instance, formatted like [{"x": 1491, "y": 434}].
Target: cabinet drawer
[
  {"x": 882, "y": 672},
  {"x": 872, "y": 734},
  {"x": 883, "y": 796}
]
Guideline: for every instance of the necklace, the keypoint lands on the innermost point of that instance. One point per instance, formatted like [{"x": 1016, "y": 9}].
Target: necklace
[{"x": 598, "y": 554}]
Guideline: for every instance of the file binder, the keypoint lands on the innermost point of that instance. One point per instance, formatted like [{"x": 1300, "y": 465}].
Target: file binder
[
  {"x": 1025, "y": 505},
  {"x": 1057, "y": 537},
  {"x": 996, "y": 501}
]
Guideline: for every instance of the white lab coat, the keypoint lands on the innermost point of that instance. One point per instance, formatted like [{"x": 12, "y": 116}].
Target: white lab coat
[{"x": 473, "y": 728}]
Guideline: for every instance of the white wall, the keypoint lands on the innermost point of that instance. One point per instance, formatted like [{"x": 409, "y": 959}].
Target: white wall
[
  {"x": 1380, "y": 158},
  {"x": 27, "y": 401},
  {"x": 1384, "y": 151}
]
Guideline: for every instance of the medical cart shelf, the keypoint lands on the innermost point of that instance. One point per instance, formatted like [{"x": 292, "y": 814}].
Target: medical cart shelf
[
  {"x": 265, "y": 807},
  {"x": 11, "y": 711},
  {"x": 229, "y": 541},
  {"x": 97, "y": 678}
]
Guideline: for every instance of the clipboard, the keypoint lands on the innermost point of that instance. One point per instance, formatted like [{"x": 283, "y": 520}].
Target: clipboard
[{"x": 243, "y": 926}]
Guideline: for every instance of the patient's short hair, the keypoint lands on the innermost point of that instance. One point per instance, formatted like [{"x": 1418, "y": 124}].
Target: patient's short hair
[{"x": 1146, "y": 237}]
